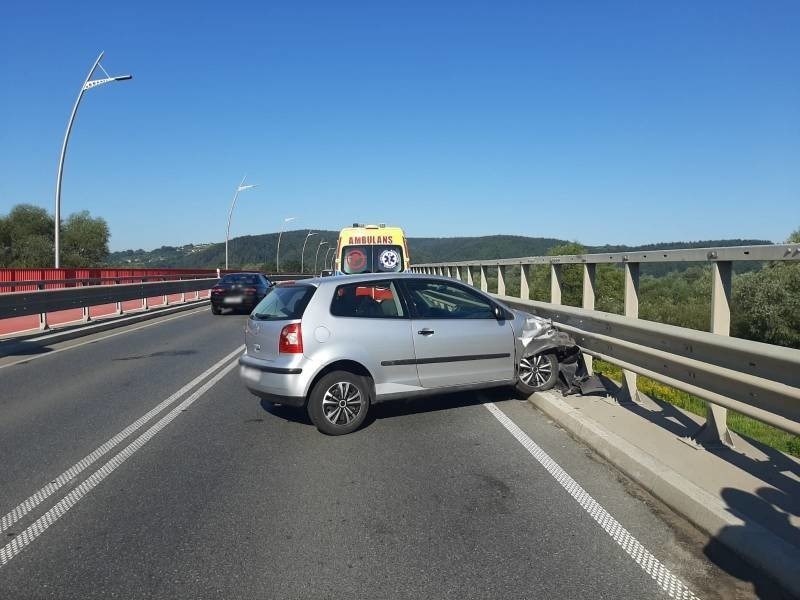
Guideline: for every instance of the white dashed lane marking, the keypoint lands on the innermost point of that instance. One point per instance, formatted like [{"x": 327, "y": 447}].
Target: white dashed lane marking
[{"x": 668, "y": 582}]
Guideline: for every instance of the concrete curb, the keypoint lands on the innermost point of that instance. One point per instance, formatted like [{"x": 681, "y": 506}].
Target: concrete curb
[
  {"x": 753, "y": 543},
  {"x": 69, "y": 332}
]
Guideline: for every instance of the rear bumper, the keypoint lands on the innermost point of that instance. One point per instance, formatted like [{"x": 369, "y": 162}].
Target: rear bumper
[{"x": 279, "y": 384}]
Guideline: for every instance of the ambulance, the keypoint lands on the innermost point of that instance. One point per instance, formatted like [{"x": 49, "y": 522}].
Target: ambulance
[{"x": 371, "y": 249}]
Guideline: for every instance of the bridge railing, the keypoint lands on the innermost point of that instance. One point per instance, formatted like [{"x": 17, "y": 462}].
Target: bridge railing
[
  {"x": 42, "y": 302},
  {"x": 759, "y": 380}
]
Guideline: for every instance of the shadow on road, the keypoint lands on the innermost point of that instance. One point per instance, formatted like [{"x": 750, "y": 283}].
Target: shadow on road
[
  {"x": 22, "y": 348},
  {"x": 401, "y": 408}
]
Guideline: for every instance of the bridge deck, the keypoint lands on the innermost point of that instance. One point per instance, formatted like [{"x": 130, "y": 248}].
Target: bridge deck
[{"x": 231, "y": 499}]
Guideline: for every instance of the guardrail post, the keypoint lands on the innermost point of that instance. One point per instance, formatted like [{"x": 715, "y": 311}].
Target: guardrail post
[
  {"x": 631, "y": 294},
  {"x": 457, "y": 271},
  {"x": 555, "y": 283},
  {"x": 589, "y": 274},
  {"x": 501, "y": 280},
  {"x": 144, "y": 304},
  {"x": 469, "y": 276},
  {"x": 118, "y": 308},
  {"x": 524, "y": 287},
  {"x": 715, "y": 433},
  {"x": 43, "y": 325},
  {"x": 449, "y": 273},
  {"x": 85, "y": 316},
  {"x": 484, "y": 284}
]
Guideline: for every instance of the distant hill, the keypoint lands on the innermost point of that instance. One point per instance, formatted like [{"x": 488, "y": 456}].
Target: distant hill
[{"x": 255, "y": 251}]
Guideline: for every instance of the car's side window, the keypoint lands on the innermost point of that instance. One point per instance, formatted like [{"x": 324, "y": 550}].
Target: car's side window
[
  {"x": 367, "y": 300},
  {"x": 440, "y": 300}
]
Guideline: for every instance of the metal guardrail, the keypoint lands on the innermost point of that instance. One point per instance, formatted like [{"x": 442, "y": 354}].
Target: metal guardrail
[
  {"x": 759, "y": 380},
  {"x": 41, "y": 302},
  {"x": 85, "y": 281}
]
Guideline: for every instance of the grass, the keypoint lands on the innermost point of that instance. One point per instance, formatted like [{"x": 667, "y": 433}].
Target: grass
[{"x": 741, "y": 424}]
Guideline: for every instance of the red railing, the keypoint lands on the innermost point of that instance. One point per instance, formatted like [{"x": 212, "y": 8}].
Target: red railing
[{"x": 52, "y": 277}]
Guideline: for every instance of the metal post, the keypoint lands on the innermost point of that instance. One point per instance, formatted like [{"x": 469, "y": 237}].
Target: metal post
[
  {"x": 715, "y": 432},
  {"x": 555, "y": 283},
  {"x": 321, "y": 244},
  {"x": 629, "y": 388},
  {"x": 501, "y": 280},
  {"x": 278, "y": 254},
  {"x": 43, "y": 325},
  {"x": 87, "y": 84},
  {"x": 240, "y": 188},
  {"x": 589, "y": 275},
  {"x": 484, "y": 283},
  {"x": 469, "y": 276},
  {"x": 524, "y": 286},
  {"x": 303, "y": 253}
]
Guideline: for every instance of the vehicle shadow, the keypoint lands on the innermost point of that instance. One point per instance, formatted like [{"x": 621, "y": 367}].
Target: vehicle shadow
[
  {"x": 22, "y": 348},
  {"x": 401, "y": 408}
]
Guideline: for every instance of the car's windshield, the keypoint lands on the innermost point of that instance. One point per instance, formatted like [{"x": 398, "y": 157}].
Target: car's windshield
[
  {"x": 379, "y": 258},
  {"x": 284, "y": 302}
]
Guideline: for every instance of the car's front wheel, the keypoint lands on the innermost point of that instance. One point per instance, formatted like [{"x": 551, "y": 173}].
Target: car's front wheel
[
  {"x": 536, "y": 373},
  {"x": 339, "y": 402}
]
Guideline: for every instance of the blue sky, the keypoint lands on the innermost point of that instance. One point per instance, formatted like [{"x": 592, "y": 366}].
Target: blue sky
[{"x": 603, "y": 122}]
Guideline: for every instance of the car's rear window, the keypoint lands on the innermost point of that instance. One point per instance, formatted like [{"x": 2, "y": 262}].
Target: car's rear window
[
  {"x": 241, "y": 279},
  {"x": 284, "y": 302}
]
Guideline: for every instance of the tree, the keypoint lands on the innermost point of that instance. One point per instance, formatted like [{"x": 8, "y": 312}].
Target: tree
[
  {"x": 84, "y": 240},
  {"x": 26, "y": 235},
  {"x": 766, "y": 303},
  {"x": 26, "y": 239}
]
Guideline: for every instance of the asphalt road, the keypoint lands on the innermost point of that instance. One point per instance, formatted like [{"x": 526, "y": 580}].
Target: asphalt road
[{"x": 114, "y": 486}]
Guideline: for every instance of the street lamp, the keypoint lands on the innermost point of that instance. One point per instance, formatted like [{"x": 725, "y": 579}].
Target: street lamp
[
  {"x": 303, "y": 253},
  {"x": 278, "y": 256},
  {"x": 241, "y": 188},
  {"x": 88, "y": 84},
  {"x": 326, "y": 256},
  {"x": 321, "y": 244}
]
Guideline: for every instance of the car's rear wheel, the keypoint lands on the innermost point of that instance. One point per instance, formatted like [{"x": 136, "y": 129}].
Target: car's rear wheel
[
  {"x": 339, "y": 402},
  {"x": 536, "y": 373},
  {"x": 215, "y": 310}
]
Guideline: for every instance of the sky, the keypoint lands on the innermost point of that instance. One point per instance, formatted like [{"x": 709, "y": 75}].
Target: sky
[{"x": 600, "y": 122}]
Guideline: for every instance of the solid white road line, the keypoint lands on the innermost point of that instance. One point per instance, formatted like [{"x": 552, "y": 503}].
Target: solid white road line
[
  {"x": 28, "y": 505},
  {"x": 39, "y": 526},
  {"x": 157, "y": 321},
  {"x": 668, "y": 582}
]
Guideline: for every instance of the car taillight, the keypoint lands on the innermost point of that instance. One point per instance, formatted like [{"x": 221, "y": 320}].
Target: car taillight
[
  {"x": 250, "y": 290},
  {"x": 217, "y": 290},
  {"x": 291, "y": 340}
]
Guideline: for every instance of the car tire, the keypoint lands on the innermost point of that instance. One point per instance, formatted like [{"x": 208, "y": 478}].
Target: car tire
[
  {"x": 334, "y": 399},
  {"x": 536, "y": 373},
  {"x": 215, "y": 310}
]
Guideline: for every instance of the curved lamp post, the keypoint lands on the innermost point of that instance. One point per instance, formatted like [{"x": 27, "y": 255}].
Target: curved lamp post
[
  {"x": 88, "y": 84},
  {"x": 278, "y": 256},
  {"x": 303, "y": 253},
  {"x": 241, "y": 188},
  {"x": 321, "y": 244},
  {"x": 326, "y": 257}
]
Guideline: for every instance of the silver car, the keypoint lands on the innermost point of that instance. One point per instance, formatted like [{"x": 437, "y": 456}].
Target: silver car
[{"x": 338, "y": 344}]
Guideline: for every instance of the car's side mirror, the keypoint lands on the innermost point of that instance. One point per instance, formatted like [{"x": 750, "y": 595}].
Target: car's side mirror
[{"x": 499, "y": 313}]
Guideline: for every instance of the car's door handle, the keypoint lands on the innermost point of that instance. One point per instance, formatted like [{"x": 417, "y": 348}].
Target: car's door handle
[{"x": 426, "y": 331}]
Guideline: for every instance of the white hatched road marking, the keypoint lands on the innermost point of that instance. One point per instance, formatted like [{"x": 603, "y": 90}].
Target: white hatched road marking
[
  {"x": 40, "y": 496},
  {"x": 39, "y": 526},
  {"x": 668, "y": 582},
  {"x": 158, "y": 321}
]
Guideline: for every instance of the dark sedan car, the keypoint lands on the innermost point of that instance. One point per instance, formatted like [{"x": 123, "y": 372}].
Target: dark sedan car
[{"x": 239, "y": 291}]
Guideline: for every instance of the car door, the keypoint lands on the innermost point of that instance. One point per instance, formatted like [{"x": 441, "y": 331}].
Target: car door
[{"x": 457, "y": 338}]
